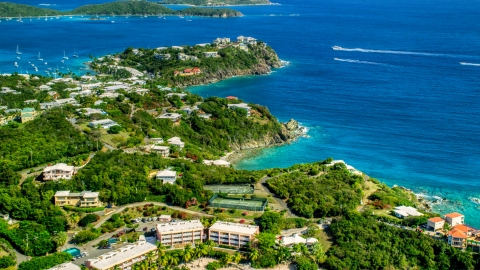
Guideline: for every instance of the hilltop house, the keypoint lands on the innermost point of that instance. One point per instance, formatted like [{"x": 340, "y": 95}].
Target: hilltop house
[
  {"x": 167, "y": 176},
  {"x": 221, "y": 41},
  {"x": 243, "y": 106},
  {"x": 406, "y": 211},
  {"x": 27, "y": 114},
  {"x": 247, "y": 40},
  {"x": 82, "y": 199},
  {"x": 58, "y": 171}
]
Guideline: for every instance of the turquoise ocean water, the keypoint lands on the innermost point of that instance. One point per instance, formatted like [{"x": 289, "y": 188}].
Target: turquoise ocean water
[{"x": 393, "y": 100}]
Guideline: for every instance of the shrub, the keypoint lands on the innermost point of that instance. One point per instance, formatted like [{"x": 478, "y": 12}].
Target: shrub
[
  {"x": 83, "y": 210},
  {"x": 45, "y": 262},
  {"x": 7, "y": 261},
  {"x": 89, "y": 218}
]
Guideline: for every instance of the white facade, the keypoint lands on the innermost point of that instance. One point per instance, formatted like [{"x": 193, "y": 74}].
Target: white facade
[
  {"x": 104, "y": 123},
  {"x": 454, "y": 219},
  {"x": 435, "y": 223},
  {"x": 164, "y": 151},
  {"x": 406, "y": 211},
  {"x": 179, "y": 233},
  {"x": 58, "y": 171},
  {"x": 167, "y": 176},
  {"x": 176, "y": 141}
]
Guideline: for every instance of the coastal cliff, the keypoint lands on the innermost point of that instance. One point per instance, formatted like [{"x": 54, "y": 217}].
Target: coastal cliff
[{"x": 289, "y": 131}]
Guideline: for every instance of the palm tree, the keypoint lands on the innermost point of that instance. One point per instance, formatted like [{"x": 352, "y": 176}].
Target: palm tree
[
  {"x": 254, "y": 255},
  {"x": 173, "y": 259},
  {"x": 225, "y": 260},
  {"x": 74, "y": 218},
  {"x": 163, "y": 260},
  {"x": 161, "y": 249},
  {"x": 236, "y": 257},
  {"x": 150, "y": 256},
  {"x": 187, "y": 253},
  {"x": 283, "y": 254}
]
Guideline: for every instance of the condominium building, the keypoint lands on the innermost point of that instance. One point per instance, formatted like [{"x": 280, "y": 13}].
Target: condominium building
[
  {"x": 454, "y": 219},
  {"x": 58, "y": 171},
  {"x": 178, "y": 233},
  {"x": 82, "y": 199},
  {"x": 232, "y": 234},
  {"x": 124, "y": 257}
]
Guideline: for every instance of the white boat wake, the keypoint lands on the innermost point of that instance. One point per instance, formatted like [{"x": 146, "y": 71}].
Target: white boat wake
[
  {"x": 338, "y": 48},
  {"x": 469, "y": 64},
  {"x": 359, "y": 61}
]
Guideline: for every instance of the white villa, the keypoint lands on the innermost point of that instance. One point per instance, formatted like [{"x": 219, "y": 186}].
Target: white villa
[
  {"x": 167, "y": 176},
  {"x": 104, "y": 123},
  {"x": 172, "y": 116},
  {"x": 406, "y": 211},
  {"x": 243, "y": 106},
  {"x": 176, "y": 141},
  {"x": 58, "y": 171}
]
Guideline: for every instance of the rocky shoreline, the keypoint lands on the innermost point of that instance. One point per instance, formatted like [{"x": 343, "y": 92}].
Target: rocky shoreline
[{"x": 290, "y": 131}]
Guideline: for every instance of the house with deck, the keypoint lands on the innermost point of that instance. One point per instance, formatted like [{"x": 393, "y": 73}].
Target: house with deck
[
  {"x": 81, "y": 199},
  {"x": 58, "y": 171}
]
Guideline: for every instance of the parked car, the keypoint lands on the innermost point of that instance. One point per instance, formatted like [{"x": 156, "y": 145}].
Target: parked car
[{"x": 152, "y": 229}]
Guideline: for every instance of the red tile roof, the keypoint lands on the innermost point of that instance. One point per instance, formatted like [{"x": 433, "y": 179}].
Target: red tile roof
[
  {"x": 454, "y": 215},
  {"x": 436, "y": 219},
  {"x": 457, "y": 234}
]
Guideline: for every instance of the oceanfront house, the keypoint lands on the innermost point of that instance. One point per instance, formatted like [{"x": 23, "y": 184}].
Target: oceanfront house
[
  {"x": 27, "y": 114},
  {"x": 231, "y": 98},
  {"x": 124, "y": 257},
  {"x": 435, "y": 223},
  {"x": 180, "y": 95},
  {"x": 454, "y": 219},
  {"x": 162, "y": 56},
  {"x": 58, "y": 171},
  {"x": 459, "y": 234},
  {"x": 247, "y": 40},
  {"x": 163, "y": 151},
  {"x": 406, "y": 211},
  {"x": 210, "y": 54},
  {"x": 90, "y": 111},
  {"x": 82, "y": 199},
  {"x": 65, "y": 266},
  {"x": 243, "y": 106},
  {"x": 167, "y": 176},
  {"x": 188, "y": 72},
  {"x": 219, "y": 162},
  {"x": 156, "y": 140},
  {"x": 180, "y": 233},
  {"x": 232, "y": 234},
  {"x": 174, "y": 117},
  {"x": 104, "y": 123},
  {"x": 295, "y": 239},
  {"x": 221, "y": 41},
  {"x": 176, "y": 141},
  {"x": 177, "y": 47},
  {"x": 202, "y": 44}
]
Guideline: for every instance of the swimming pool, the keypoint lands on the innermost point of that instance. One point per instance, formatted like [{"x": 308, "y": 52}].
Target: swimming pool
[{"x": 73, "y": 251}]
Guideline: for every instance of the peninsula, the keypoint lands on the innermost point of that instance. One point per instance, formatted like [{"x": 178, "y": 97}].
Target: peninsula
[
  {"x": 198, "y": 64},
  {"x": 127, "y": 8},
  {"x": 216, "y": 2}
]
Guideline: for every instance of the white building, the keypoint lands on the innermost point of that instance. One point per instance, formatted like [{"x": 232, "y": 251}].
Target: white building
[
  {"x": 167, "y": 176},
  {"x": 176, "y": 141},
  {"x": 243, "y": 106},
  {"x": 172, "y": 116},
  {"x": 406, "y": 211},
  {"x": 247, "y": 40},
  {"x": 219, "y": 162},
  {"x": 90, "y": 111},
  {"x": 435, "y": 223},
  {"x": 164, "y": 151},
  {"x": 232, "y": 234},
  {"x": 104, "y": 123},
  {"x": 58, "y": 171},
  {"x": 210, "y": 54},
  {"x": 179, "y": 233},
  {"x": 221, "y": 41},
  {"x": 156, "y": 140},
  {"x": 65, "y": 266},
  {"x": 124, "y": 257},
  {"x": 454, "y": 219}
]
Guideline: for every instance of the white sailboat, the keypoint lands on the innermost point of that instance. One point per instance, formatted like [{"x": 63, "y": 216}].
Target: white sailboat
[
  {"x": 39, "y": 59},
  {"x": 15, "y": 64},
  {"x": 74, "y": 54},
  {"x": 18, "y": 51},
  {"x": 64, "y": 56},
  {"x": 46, "y": 18}
]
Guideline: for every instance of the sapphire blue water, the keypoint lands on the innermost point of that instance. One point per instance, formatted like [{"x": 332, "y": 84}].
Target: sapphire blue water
[{"x": 392, "y": 101}]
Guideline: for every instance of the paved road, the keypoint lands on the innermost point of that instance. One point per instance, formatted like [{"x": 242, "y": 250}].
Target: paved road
[{"x": 280, "y": 201}]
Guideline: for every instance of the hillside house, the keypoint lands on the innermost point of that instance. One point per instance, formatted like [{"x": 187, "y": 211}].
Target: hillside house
[
  {"x": 210, "y": 54},
  {"x": 176, "y": 141},
  {"x": 27, "y": 114},
  {"x": 167, "y": 176},
  {"x": 435, "y": 223},
  {"x": 104, "y": 123},
  {"x": 58, "y": 171},
  {"x": 82, "y": 199},
  {"x": 454, "y": 219},
  {"x": 174, "y": 117},
  {"x": 406, "y": 211},
  {"x": 243, "y": 106}
]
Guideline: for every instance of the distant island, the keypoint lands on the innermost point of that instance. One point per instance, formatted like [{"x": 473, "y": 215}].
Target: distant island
[
  {"x": 204, "y": 63},
  {"x": 131, "y": 8},
  {"x": 216, "y": 2}
]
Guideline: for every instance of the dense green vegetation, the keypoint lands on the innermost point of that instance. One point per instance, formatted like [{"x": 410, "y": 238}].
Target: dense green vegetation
[
  {"x": 361, "y": 242},
  {"x": 317, "y": 190},
  {"x": 113, "y": 8},
  {"x": 8, "y": 258},
  {"x": 47, "y": 138},
  {"x": 231, "y": 59},
  {"x": 8, "y": 9},
  {"x": 45, "y": 262},
  {"x": 215, "y": 2}
]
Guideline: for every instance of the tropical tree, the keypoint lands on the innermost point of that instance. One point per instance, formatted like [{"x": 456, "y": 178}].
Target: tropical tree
[
  {"x": 187, "y": 253},
  {"x": 254, "y": 255},
  {"x": 317, "y": 254},
  {"x": 161, "y": 249},
  {"x": 236, "y": 257},
  {"x": 173, "y": 259},
  {"x": 74, "y": 218},
  {"x": 60, "y": 238}
]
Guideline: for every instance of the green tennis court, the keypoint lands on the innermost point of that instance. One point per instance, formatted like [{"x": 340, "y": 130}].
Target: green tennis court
[
  {"x": 236, "y": 203},
  {"x": 230, "y": 189}
]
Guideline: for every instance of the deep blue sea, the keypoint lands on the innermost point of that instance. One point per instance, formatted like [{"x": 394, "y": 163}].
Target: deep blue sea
[{"x": 392, "y": 101}]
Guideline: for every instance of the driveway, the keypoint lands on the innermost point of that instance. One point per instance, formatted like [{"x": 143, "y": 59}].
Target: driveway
[{"x": 277, "y": 199}]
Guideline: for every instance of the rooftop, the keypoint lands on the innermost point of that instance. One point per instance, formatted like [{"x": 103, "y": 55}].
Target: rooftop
[
  {"x": 436, "y": 219},
  {"x": 166, "y": 173},
  {"x": 454, "y": 215},
  {"x": 65, "y": 266},
  {"x": 59, "y": 166},
  {"x": 124, "y": 254},
  {"x": 179, "y": 226},
  {"x": 234, "y": 227}
]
